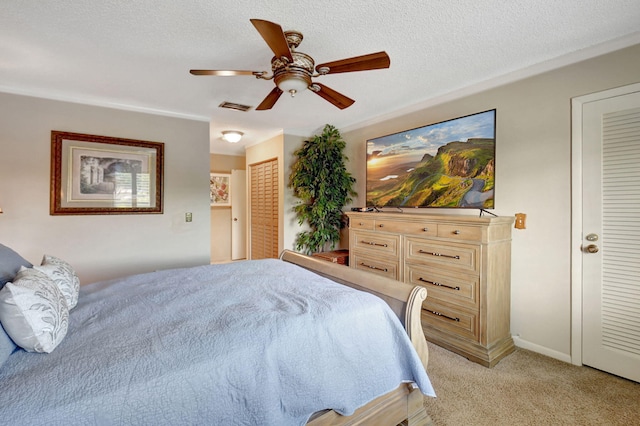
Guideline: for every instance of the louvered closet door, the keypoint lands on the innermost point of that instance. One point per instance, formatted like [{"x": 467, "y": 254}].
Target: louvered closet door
[
  {"x": 611, "y": 235},
  {"x": 264, "y": 210}
]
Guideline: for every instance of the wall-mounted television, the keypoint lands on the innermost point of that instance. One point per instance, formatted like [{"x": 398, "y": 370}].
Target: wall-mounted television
[{"x": 449, "y": 164}]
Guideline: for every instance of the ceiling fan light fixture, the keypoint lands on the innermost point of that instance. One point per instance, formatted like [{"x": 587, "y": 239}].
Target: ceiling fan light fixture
[
  {"x": 232, "y": 136},
  {"x": 293, "y": 83}
]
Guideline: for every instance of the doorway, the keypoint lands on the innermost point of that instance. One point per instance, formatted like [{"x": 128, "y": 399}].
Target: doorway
[
  {"x": 606, "y": 231},
  {"x": 239, "y": 214}
]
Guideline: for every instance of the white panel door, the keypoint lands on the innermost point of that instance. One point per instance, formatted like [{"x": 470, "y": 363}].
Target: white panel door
[
  {"x": 611, "y": 235},
  {"x": 238, "y": 214}
]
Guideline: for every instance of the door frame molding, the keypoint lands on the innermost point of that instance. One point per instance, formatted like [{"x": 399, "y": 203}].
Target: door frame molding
[{"x": 577, "y": 104}]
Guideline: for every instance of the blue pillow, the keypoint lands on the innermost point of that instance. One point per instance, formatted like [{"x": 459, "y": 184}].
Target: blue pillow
[
  {"x": 6, "y": 346},
  {"x": 10, "y": 263}
]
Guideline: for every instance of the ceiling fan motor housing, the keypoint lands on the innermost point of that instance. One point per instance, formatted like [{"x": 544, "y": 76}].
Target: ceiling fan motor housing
[{"x": 301, "y": 68}]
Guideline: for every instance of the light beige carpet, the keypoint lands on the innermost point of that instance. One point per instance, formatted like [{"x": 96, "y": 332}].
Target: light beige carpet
[{"x": 527, "y": 388}]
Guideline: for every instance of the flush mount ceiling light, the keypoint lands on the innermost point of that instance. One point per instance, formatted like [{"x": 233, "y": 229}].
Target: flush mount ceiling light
[{"x": 232, "y": 136}]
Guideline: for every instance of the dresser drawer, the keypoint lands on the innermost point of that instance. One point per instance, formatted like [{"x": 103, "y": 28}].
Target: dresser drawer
[
  {"x": 461, "y": 322},
  {"x": 359, "y": 223},
  {"x": 460, "y": 232},
  {"x": 376, "y": 243},
  {"x": 461, "y": 289},
  {"x": 452, "y": 256},
  {"x": 386, "y": 268},
  {"x": 416, "y": 228}
]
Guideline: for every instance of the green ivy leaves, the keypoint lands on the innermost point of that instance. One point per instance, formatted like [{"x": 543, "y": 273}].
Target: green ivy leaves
[{"x": 320, "y": 179}]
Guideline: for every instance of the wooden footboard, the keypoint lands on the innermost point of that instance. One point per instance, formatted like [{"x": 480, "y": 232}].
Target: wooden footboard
[
  {"x": 404, "y": 405},
  {"x": 406, "y": 402}
]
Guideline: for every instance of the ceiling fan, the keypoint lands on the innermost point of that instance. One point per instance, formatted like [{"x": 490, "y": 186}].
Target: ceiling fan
[{"x": 293, "y": 71}]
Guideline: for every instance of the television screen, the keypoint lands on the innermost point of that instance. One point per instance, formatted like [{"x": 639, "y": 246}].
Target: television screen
[{"x": 448, "y": 164}]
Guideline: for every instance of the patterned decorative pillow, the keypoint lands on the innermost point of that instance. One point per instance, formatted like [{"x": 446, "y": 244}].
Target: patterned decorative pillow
[
  {"x": 64, "y": 276},
  {"x": 33, "y": 311},
  {"x": 10, "y": 263}
]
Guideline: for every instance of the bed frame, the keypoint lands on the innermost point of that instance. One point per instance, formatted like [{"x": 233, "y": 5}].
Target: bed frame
[{"x": 404, "y": 405}]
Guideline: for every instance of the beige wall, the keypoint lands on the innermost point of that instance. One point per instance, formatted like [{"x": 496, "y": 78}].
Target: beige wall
[
  {"x": 101, "y": 247},
  {"x": 533, "y": 176},
  {"x": 283, "y": 147},
  {"x": 221, "y": 216}
]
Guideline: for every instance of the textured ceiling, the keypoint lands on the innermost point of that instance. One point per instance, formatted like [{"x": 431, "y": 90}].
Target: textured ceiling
[{"x": 137, "y": 54}]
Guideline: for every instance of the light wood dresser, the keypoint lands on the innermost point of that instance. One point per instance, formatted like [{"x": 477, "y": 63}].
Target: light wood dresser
[{"x": 463, "y": 261}]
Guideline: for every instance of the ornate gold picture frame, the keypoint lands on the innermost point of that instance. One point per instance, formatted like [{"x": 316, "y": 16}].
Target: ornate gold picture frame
[{"x": 92, "y": 175}]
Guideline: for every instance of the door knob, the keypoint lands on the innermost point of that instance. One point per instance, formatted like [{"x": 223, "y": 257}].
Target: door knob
[{"x": 592, "y": 248}]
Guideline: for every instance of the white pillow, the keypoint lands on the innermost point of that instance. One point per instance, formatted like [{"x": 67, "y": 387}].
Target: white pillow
[
  {"x": 64, "y": 276},
  {"x": 33, "y": 311}
]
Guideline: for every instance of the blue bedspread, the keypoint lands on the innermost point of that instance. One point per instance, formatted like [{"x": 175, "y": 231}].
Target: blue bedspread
[{"x": 248, "y": 343}]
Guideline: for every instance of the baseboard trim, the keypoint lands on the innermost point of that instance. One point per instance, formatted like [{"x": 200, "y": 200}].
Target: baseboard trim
[{"x": 524, "y": 344}]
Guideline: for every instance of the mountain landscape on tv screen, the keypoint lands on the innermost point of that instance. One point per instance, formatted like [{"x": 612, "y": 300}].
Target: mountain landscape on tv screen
[{"x": 461, "y": 174}]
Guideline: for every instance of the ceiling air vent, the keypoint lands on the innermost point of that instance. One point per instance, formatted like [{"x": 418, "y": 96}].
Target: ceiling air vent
[{"x": 237, "y": 107}]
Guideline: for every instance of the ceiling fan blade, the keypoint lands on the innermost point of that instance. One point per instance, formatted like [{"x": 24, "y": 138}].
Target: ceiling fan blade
[
  {"x": 274, "y": 36},
  {"x": 338, "y": 99},
  {"x": 224, "y": 73},
  {"x": 270, "y": 100},
  {"x": 372, "y": 61}
]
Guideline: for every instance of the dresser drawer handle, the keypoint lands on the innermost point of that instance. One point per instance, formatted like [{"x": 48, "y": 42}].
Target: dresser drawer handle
[
  {"x": 438, "y": 284},
  {"x": 373, "y": 267},
  {"x": 438, "y": 254},
  {"x": 425, "y": 229},
  {"x": 456, "y": 232},
  {"x": 371, "y": 243},
  {"x": 443, "y": 315}
]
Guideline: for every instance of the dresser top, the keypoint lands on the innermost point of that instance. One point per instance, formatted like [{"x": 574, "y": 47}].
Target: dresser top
[{"x": 430, "y": 217}]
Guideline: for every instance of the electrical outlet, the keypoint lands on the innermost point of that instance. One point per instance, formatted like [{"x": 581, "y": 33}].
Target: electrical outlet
[
  {"x": 188, "y": 217},
  {"x": 520, "y": 221}
]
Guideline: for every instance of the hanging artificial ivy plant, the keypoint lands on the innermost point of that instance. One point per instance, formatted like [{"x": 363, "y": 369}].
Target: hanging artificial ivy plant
[{"x": 320, "y": 179}]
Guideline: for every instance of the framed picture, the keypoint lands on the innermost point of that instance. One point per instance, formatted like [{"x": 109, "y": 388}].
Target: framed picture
[
  {"x": 220, "y": 189},
  {"x": 103, "y": 175}
]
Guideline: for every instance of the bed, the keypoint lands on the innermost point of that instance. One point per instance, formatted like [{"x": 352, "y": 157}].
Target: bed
[{"x": 267, "y": 342}]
